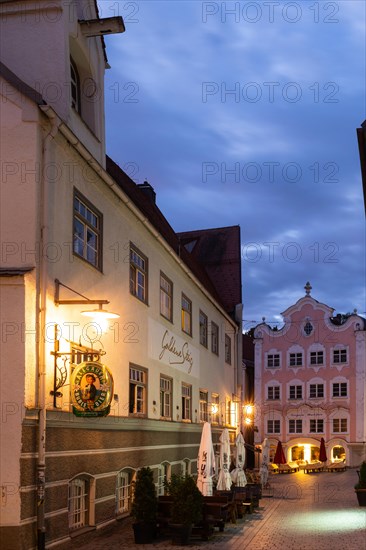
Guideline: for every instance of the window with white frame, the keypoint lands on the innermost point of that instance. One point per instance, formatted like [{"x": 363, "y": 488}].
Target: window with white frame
[
  {"x": 83, "y": 91},
  {"x": 227, "y": 349},
  {"x": 295, "y": 392},
  {"x": 230, "y": 412},
  {"x": 339, "y": 389},
  {"x": 295, "y": 426},
  {"x": 138, "y": 386},
  {"x": 340, "y": 425},
  {"x": 273, "y": 426},
  {"x": 215, "y": 408},
  {"x": 214, "y": 338},
  {"x": 123, "y": 492},
  {"x": 340, "y": 355},
  {"x": 79, "y": 503},
  {"x": 316, "y": 425},
  {"x": 273, "y": 360},
  {"x": 186, "y": 467},
  {"x": 166, "y": 397},
  {"x": 203, "y": 406},
  {"x": 273, "y": 392},
  {"x": 316, "y": 391},
  {"x": 138, "y": 274},
  {"x": 164, "y": 472},
  {"x": 87, "y": 231},
  {"x": 203, "y": 320},
  {"x": 317, "y": 358},
  {"x": 186, "y": 402},
  {"x": 186, "y": 315},
  {"x": 295, "y": 359},
  {"x": 166, "y": 297}
]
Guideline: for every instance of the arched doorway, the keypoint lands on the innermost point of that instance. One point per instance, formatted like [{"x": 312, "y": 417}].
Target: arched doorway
[
  {"x": 297, "y": 453},
  {"x": 304, "y": 452}
]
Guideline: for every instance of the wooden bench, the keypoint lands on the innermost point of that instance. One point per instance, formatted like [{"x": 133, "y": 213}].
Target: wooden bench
[
  {"x": 337, "y": 467},
  {"x": 242, "y": 506},
  {"x": 215, "y": 511},
  {"x": 253, "y": 493},
  {"x": 232, "y": 513},
  {"x": 315, "y": 467},
  {"x": 288, "y": 468}
]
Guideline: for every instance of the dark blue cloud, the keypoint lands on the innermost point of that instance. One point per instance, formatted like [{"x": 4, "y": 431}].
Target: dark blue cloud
[{"x": 250, "y": 123}]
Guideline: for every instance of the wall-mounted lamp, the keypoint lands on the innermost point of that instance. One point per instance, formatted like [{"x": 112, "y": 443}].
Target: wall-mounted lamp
[
  {"x": 248, "y": 414},
  {"x": 214, "y": 408},
  {"x": 248, "y": 409},
  {"x": 97, "y": 314}
]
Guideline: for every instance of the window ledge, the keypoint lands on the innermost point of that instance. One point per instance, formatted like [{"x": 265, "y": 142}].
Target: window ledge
[{"x": 82, "y": 530}]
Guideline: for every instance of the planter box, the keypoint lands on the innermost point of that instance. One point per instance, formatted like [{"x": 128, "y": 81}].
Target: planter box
[
  {"x": 145, "y": 533},
  {"x": 361, "y": 496}
]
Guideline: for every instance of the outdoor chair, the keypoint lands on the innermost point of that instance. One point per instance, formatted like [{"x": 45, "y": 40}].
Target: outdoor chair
[
  {"x": 288, "y": 468},
  {"x": 314, "y": 467},
  {"x": 337, "y": 466}
]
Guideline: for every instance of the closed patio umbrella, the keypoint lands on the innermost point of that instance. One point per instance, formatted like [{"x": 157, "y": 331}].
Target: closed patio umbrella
[
  {"x": 322, "y": 452},
  {"x": 224, "y": 481},
  {"x": 279, "y": 457},
  {"x": 205, "y": 461},
  {"x": 265, "y": 461},
  {"x": 265, "y": 451},
  {"x": 237, "y": 475}
]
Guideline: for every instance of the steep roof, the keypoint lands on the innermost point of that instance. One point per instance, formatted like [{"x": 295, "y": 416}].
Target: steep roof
[
  {"x": 157, "y": 219},
  {"x": 216, "y": 279},
  {"x": 19, "y": 85},
  {"x": 218, "y": 250}
]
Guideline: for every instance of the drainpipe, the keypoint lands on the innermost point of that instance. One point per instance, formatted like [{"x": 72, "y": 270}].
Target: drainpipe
[{"x": 42, "y": 295}]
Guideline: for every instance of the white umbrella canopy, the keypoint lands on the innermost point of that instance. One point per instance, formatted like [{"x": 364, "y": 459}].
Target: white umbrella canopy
[
  {"x": 224, "y": 480},
  {"x": 206, "y": 461},
  {"x": 265, "y": 461},
  {"x": 265, "y": 451},
  {"x": 237, "y": 475}
]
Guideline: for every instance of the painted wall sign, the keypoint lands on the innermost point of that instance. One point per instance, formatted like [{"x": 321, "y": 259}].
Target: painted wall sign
[
  {"x": 91, "y": 389},
  {"x": 172, "y": 350}
]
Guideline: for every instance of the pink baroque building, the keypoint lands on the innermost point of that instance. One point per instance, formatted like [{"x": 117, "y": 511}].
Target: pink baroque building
[{"x": 310, "y": 382}]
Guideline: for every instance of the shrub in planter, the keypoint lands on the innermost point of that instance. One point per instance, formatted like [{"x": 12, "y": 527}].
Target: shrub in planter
[
  {"x": 186, "y": 508},
  {"x": 144, "y": 506},
  {"x": 360, "y": 486}
]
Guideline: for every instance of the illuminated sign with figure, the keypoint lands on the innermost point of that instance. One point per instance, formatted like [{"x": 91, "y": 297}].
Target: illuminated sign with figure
[{"x": 91, "y": 389}]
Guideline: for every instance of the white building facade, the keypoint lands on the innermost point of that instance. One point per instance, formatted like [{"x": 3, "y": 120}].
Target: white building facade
[{"x": 85, "y": 401}]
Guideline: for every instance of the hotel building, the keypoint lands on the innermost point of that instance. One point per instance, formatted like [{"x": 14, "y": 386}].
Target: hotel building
[
  {"x": 87, "y": 400},
  {"x": 310, "y": 382}
]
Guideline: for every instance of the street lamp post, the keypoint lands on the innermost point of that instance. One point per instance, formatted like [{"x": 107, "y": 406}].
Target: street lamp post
[{"x": 248, "y": 430}]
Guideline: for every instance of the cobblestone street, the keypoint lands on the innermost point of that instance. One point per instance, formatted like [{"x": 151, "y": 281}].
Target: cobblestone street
[{"x": 298, "y": 512}]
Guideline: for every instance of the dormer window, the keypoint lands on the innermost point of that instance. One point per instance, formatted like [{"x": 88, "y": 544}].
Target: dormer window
[{"x": 75, "y": 87}]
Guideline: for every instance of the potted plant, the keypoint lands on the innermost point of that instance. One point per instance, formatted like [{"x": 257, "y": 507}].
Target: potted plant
[
  {"x": 144, "y": 506},
  {"x": 186, "y": 509},
  {"x": 360, "y": 487}
]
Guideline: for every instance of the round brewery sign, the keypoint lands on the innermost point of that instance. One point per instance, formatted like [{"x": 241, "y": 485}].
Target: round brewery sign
[{"x": 91, "y": 389}]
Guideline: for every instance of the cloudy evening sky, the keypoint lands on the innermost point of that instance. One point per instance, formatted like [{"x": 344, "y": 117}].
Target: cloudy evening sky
[{"x": 245, "y": 113}]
